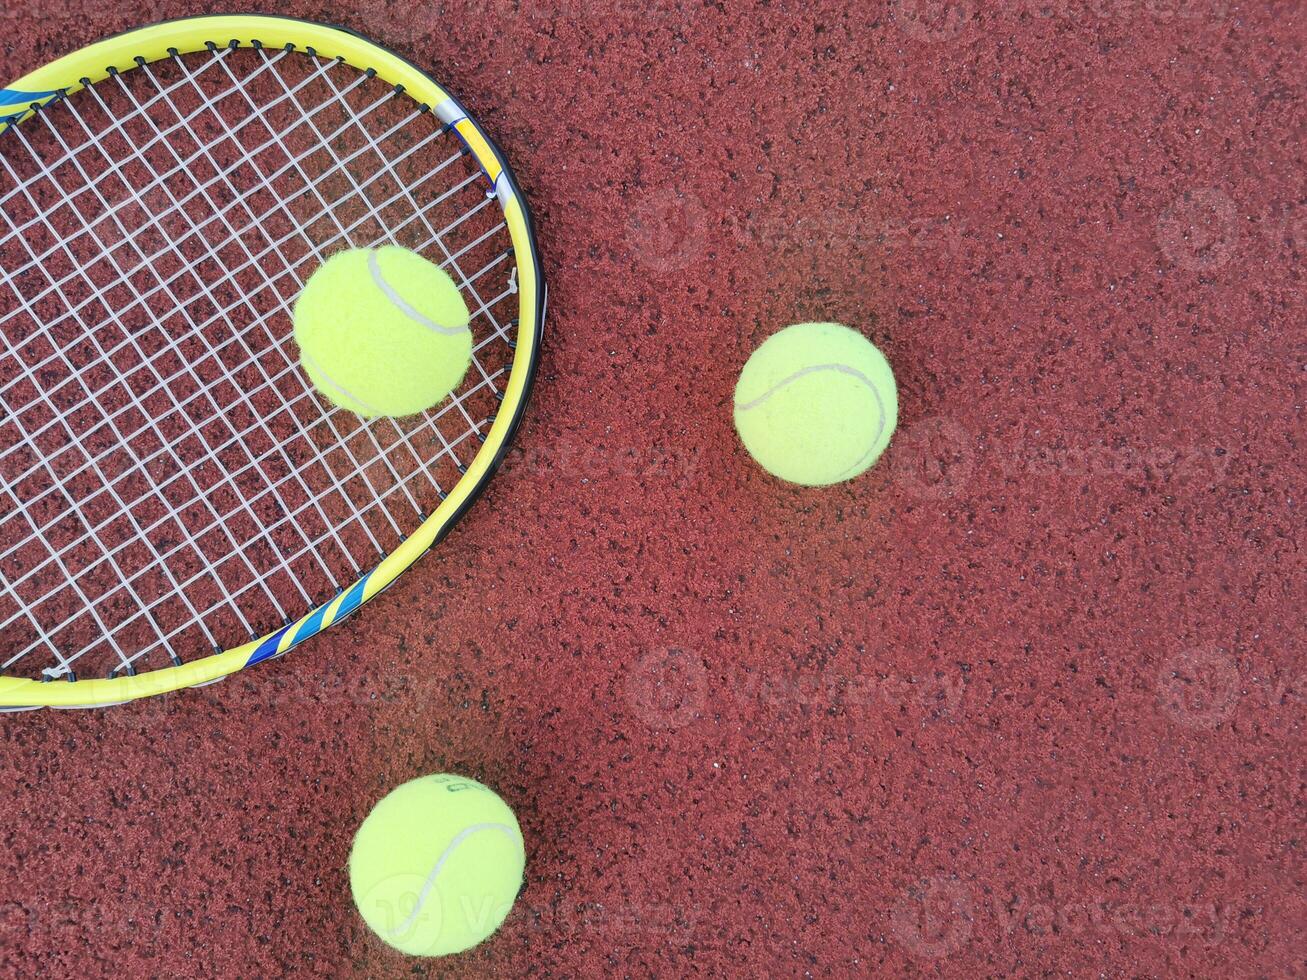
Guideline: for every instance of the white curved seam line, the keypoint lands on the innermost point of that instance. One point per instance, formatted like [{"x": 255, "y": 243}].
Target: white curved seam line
[
  {"x": 331, "y": 382},
  {"x": 842, "y": 369},
  {"x": 430, "y": 883},
  {"x": 375, "y": 268}
]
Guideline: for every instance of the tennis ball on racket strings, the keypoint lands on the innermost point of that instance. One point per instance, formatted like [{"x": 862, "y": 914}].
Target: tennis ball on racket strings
[
  {"x": 816, "y": 404},
  {"x": 436, "y": 865},
  {"x": 382, "y": 331}
]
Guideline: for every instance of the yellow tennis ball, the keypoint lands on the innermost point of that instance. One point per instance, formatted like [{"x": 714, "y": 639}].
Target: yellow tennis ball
[
  {"x": 383, "y": 331},
  {"x": 436, "y": 865},
  {"x": 816, "y": 404}
]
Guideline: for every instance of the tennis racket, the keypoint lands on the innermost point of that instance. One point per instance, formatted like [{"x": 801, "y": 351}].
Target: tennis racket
[{"x": 176, "y": 502}]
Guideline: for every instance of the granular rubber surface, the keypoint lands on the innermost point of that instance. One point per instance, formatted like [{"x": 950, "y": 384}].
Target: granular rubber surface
[{"x": 1024, "y": 700}]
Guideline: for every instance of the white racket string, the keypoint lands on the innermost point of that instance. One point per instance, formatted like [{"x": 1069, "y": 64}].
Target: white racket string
[
  {"x": 212, "y": 454},
  {"x": 169, "y": 484},
  {"x": 149, "y": 295},
  {"x": 114, "y": 167}
]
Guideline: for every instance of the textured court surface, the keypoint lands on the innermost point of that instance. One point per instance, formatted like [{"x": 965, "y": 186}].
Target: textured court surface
[{"x": 1025, "y": 700}]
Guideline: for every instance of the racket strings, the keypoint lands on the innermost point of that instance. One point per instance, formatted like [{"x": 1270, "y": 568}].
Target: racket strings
[
  {"x": 212, "y": 454},
  {"x": 180, "y": 127},
  {"x": 217, "y": 316},
  {"x": 123, "y": 507},
  {"x": 168, "y": 482},
  {"x": 90, "y": 184}
]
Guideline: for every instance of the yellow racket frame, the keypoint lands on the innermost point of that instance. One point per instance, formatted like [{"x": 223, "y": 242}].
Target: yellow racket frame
[{"x": 91, "y": 64}]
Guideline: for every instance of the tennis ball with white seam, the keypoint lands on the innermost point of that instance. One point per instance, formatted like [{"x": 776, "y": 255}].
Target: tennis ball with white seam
[
  {"x": 436, "y": 865},
  {"x": 816, "y": 404},
  {"x": 383, "y": 331}
]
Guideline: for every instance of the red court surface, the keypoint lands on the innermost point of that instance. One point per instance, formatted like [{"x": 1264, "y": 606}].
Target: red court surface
[{"x": 1025, "y": 700}]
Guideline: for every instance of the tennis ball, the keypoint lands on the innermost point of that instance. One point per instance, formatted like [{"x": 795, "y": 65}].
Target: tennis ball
[
  {"x": 382, "y": 331},
  {"x": 816, "y": 404},
  {"x": 436, "y": 865}
]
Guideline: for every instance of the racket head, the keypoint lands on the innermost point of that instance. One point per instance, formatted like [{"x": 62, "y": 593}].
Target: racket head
[{"x": 507, "y": 376}]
